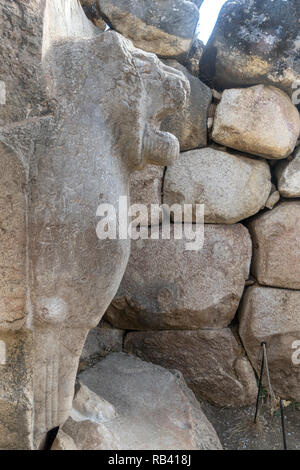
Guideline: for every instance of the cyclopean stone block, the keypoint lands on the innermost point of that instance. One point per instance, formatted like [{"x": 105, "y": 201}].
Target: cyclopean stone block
[
  {"x": 275, "y": 235},
  {"x": 166, "y": 286},
  {"x": 213, "y": 362},
  {"x": 165, "y": 27},
  {"x": 259, "y": 120},
  {"x": 272, "y": 315},
  {"x": 232, "y": 187},
  {"x": 254, "y": 42}
]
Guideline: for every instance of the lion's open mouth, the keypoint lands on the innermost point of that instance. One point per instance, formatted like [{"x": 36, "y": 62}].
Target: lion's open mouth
[{"x": 159, "y": 148}]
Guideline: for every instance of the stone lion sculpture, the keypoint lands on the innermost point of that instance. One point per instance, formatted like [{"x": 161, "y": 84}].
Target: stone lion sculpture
[{"x": 96, "y": 122}]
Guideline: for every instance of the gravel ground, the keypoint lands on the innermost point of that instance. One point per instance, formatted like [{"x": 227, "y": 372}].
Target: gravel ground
[{"x": 237, "y": 431}]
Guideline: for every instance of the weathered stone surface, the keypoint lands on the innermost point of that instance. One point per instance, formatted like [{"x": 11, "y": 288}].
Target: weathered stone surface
[
  {"x": 272, "y": 315},
  {"x": 90, "y": 435},
  {"x": 63, "y": 442},
  {"x": 189, "y": 124},
  {"x": 99, "y": 343},
  {"x": 275, "y": 235},
  {"x": 273, "y": 199},
  {"x": 165, "y": 27},
  {"x": 22, "y": 93},
  {"x": 13, "y": 241},
  {"x": 192, "y": 62},
  {"x": 259, "y": 120},
  {"x": 288, "y": 176},
  {"x": 232, "y": 187},
  {"x": 255, "y": 42},
  {"x": 15, "y": 386},
  {"x": 88, "y": 405},
  {"x": 155, "y": 408},
  {"x": 22, "y": 23},
  {"x": 167, "y": 287},
  {"x": 15, "y": 339},
  {"x": 146, "y": 188},
  {"x": 212, "y": 362},
  {"x": 59, "y": 163},
  {"x": 91, "y": 9},
  {"x": 87, "y": 3},
  {"x": 85, "y": 428}
]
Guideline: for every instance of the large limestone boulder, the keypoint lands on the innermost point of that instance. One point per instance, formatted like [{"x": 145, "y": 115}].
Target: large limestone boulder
[
  {"x": 272, "y": 315},
  {"x": 232, "y": 187},
  {"x": 189, "y": 124},
  {"x": 276, "y": 237},
  {"x": 260, "y": 120},
  {"x": 255, "y": 41},
  {"x": 212, "y": 361},
  {"x": 166, "y": 286},
  {"x": 138, "y": 415},
  {"x": 146, "y": 189},
  {"x": 165, "y": 27},
  {"x": 288, "y": 177},
  {"x": 155, "y": 408}
]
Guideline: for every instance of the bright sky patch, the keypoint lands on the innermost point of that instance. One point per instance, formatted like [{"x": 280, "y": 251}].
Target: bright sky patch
[{"x": 209, "y": 13}]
